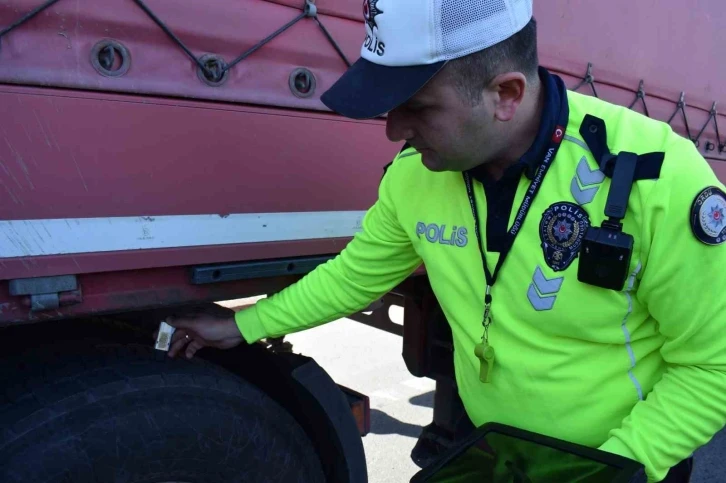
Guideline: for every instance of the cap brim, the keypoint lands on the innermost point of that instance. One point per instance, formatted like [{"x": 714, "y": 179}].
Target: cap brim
[{"x": 369, "y": 90}]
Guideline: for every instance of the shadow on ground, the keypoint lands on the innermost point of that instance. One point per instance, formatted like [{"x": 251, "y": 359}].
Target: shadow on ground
[
  {"x": 382, "y": 423},
  {"x": 425, "y": 400}
]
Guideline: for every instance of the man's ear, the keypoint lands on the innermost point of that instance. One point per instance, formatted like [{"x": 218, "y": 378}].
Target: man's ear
[{"x": 509, "y": 89}]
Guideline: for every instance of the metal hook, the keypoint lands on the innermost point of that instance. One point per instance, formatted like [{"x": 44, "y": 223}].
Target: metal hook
[
  {"x": 680, "y": 106},
  {"x": 311, "y": 10},
  {"x": 640, "y": 95},
  {"x": 588, "y": 79},
  {"x": 713, "y": 114}
]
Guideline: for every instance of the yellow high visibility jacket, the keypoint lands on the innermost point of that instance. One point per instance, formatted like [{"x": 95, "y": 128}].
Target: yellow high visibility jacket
[{"x": 639, "y": 372}]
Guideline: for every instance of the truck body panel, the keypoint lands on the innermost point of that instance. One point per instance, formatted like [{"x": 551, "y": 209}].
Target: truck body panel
[
  {"x": 158, "y": 154},
  {"x": 118, "y": 178}
]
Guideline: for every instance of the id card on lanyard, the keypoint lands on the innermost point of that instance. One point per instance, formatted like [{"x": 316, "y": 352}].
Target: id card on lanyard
[{"x": 484, "y": 351}]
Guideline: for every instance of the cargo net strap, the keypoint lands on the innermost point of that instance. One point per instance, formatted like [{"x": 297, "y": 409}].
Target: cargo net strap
[
  {"x": 213, "y": 69},
  {"x": 589, "y": 79},
  {"x": 26, "y": 17}
]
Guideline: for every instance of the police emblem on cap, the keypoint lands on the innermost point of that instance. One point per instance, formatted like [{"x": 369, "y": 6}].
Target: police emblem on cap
[
  {"x": 708, "y": 216},
  {"x": 370, "y": 10},
  {"x": 372, "y": 42},
  {"x": 562, "y": 228}
]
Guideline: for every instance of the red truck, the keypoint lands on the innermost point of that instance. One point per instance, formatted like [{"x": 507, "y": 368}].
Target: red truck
[{"x": 160, "y": 156}]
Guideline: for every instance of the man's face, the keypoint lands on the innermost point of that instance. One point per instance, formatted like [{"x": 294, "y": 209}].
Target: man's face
[{"x": 450, "y": 132}]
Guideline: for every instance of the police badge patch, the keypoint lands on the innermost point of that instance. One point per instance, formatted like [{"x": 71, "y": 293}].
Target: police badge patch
[
  {"x": 708, "y": 216},
  {"x": 561, "y": 230}
]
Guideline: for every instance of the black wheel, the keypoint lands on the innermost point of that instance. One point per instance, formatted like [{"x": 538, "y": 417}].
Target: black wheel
[{"x": 127, "y": 413}]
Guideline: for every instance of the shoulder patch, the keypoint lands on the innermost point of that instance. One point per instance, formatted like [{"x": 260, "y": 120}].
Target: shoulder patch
[
  {"x": 708, "y": 216},
  {"x": 561, "y": 230}
]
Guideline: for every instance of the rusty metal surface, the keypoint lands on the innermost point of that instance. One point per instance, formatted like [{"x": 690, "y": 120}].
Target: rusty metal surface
[
  {"x": 106, "y": 293},
  {"x": 22, "y": 267}
]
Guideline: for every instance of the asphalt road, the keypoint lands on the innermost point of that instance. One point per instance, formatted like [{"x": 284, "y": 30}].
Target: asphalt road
[
  {"x": 369, "y": 361},
  {"x": 710, "y": 465}
]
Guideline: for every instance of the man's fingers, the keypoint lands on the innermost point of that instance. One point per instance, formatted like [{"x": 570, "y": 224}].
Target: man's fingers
[
  {"x": 192, "y": 348},
  {"x": 177, "y": 345},
  {"x": 179, "y": 334}
]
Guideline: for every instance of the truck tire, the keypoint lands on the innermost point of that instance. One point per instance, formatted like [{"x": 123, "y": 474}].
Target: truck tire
[{"x": 95, "y": 412}]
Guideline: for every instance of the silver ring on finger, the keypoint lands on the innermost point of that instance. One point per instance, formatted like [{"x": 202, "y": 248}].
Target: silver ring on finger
[{"x": 187, "y": 336}]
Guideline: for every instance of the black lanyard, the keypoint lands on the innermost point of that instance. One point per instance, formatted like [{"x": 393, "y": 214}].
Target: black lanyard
[{"x": 534, "y": 186}]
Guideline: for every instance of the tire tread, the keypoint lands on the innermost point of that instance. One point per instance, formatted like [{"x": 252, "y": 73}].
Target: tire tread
[{"x": 47, "y": 386}]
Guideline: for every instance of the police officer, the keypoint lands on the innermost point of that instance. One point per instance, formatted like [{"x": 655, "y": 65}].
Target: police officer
[{"x": 575, "y": 246}]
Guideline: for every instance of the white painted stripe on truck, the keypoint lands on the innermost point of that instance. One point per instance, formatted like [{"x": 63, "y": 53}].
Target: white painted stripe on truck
[{"x": 24, "y": 238}]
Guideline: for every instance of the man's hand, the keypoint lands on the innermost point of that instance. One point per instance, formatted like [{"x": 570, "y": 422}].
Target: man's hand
[{"x": 203, "y": 330}]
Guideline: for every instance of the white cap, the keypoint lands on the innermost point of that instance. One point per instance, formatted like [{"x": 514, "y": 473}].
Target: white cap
[{"x": 422, "y": 34}]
